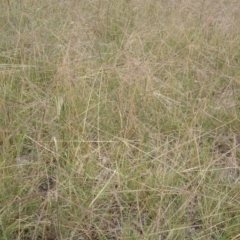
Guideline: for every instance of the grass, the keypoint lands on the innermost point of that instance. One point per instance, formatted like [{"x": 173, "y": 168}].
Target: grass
[{"x": 119, "y": 120}]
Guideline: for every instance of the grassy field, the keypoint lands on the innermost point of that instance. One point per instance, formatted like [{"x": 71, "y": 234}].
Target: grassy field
[{"x": 119, "y": 120}]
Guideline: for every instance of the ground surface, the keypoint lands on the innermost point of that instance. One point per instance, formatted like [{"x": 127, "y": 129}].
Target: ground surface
[{"x": 119, "y": 119}]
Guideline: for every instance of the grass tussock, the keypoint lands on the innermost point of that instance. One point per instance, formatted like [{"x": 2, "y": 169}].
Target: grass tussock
[{"x": 119, "y": 119}]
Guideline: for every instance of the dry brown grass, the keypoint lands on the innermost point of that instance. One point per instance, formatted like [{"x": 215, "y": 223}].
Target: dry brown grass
[{"x": 119, "y": 119}]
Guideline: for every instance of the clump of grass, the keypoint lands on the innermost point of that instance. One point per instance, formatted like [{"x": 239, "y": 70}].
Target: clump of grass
[{"x": 119, "y": 120}]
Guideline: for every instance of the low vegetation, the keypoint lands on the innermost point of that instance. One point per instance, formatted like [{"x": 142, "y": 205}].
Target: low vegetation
[{"x": 119, "y": 119}]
